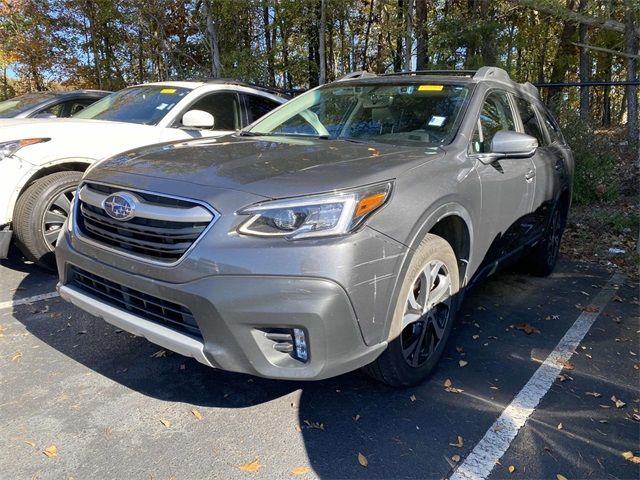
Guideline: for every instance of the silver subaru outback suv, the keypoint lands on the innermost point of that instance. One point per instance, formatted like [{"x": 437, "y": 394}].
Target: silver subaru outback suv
[{"x": 339, "y": 231}]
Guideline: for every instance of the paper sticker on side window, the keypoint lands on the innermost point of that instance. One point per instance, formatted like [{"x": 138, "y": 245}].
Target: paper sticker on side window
[{"x": 437, "y": 121}]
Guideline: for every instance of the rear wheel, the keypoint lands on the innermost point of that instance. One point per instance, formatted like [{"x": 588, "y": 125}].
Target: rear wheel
[
  {"x": 40, "y": 213},
  {"x": 423, "y": 316},
  {"x": 542, "y": 258}
]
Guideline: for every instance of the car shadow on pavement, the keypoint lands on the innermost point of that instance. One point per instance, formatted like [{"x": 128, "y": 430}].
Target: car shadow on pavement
[{"x": 401, "y": 433}]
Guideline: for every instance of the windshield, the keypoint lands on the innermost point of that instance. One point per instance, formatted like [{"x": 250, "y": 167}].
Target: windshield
[
  {"x": 16, "y": 105},
  {"x": 413, "y": 115},
  {"x": 146, "y": 104}
]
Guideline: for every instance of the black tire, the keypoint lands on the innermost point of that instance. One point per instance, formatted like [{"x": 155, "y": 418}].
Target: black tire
[
  {"x": 541, "y": 260},
  {"x": 394, "y": 367},
  {"x": 39, "y": 214}
]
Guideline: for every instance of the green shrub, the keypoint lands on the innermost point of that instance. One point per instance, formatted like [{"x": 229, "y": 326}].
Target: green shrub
[{"x": 595, "y": 175}]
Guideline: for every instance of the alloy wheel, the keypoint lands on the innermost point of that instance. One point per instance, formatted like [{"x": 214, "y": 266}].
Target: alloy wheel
[
  {"x": 427, "y": 311},
  {"x": 55, "y": 214}
]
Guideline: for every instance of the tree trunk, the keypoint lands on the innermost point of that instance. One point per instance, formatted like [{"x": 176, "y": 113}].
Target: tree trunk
[
  {"x": 397, "y": 56},
  {"x": 365, "y": 60},
  {"x": 214, "y": 51},
  {"x": 632, "y": 75},
  {"x": 321, "y": 42},
  {"x": 563, "y": 59},
  {"x": 94, "y": 44},
  {"x": 271, "y": 76},
  {"x": 408, "y": 39},
  {"x": 422, "y": 34},
  {"x": 585, "y": 67},
  {"x": 488, "y": 45}
]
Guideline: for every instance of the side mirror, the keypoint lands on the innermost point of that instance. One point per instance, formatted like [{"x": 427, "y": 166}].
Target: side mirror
[
  {"x": 513, "y": 144},
  {"x": 197, "y": 119}
]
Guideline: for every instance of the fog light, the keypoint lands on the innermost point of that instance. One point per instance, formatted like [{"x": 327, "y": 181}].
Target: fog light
[{"x": 300, "y": 343}]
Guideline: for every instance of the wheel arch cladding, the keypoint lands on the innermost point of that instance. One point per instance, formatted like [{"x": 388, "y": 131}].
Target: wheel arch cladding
[{"x": 450, "y": 221}]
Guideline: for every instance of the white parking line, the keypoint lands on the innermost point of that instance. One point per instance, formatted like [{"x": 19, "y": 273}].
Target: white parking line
[
  {"x": 24, "y": 301},
  {"x": 483, "y": 458}
]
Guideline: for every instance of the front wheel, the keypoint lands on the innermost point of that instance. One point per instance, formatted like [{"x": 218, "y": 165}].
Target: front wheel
[
  {"x": 40, "y": 213},
  {"x": 423, "y": 316}
]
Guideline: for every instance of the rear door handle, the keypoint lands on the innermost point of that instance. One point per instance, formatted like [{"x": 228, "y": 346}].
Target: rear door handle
[{"x": 529, "y": 175}]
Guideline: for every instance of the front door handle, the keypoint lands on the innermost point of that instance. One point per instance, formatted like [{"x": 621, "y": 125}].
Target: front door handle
[{"x": 530, "y": 175}]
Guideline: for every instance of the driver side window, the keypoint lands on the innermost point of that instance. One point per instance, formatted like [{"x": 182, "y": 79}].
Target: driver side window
[{"x": 496, "y": 115}]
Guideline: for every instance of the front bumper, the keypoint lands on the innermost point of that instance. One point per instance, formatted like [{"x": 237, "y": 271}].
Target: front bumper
[{"x": 232, "y": 312}]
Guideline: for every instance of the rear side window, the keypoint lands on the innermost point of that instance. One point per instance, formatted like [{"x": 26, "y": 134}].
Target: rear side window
[
  {"x": 258, "y": 106},
  {"x": 530, "y": 120},
  {"x": 555, "y": 135},
  {"x": 496, "y": 115}
]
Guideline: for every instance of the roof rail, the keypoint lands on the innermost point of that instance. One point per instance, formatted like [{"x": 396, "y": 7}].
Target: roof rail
[
  {"x": 492, "y": 73},
  {"x": 358, "y": 74},
  {"x": 462, "y": 73},
  {"x": 240, "y": 83}
]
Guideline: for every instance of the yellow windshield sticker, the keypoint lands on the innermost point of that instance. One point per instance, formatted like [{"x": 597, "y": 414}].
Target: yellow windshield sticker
[
  {"x": 168, "y": 90},
  {"x": 430, "y": 88}
]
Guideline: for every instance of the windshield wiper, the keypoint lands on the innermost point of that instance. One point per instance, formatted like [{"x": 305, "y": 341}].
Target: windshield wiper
[{"x": 279, "y": 134}]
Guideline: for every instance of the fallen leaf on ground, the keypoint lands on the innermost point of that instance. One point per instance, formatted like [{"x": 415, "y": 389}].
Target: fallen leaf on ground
[
  {"x": 475, "y": 337},
  {"x": 564, "y": 377},
  {"x": 511, "y": 469},
  {"x": 459, "y": 444},
  {"x": 591, "y": 308},
  {"x": 526, "y": 328},
  {"x": 197, "y": 414},
  {"x": 16, "y": 356},
  {"x": 560, "y": 426},
  {"x": 463, "y": 363},
  {"x": 629, "y": 456},
  {"x": 166, "y": 423},
  {"x": 455, "y": 458},
  {"x": 566, "y": 364},
  {"x": 159, "y": 353},
  {"x": 300, "y": 470},
  {"x": 412, "y": 398},
  {"x": 252, "y": 466},
  {"x": 448, "y": 387},
  {"x": 559, "y": 476},
  {"x": 51, "y": 451},
  {"x": 618, "y": 403},
  {"x": 31, "y": 444},
  {"x": 316, "y": 425},
  {"x": 356, "y": 417},
  {"x": 362, "y": 460},
  {"x": 594, "y": 394}
]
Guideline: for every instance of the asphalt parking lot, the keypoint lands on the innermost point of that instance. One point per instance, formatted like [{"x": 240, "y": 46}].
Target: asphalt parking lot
[{"x": 116, "y": 406}]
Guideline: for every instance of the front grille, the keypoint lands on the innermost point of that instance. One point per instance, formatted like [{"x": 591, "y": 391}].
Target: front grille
[
  {"x": 166, "y": 236},
  {"x": 157, "y": 310}
]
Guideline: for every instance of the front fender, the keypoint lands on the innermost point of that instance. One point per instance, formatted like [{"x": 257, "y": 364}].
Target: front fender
[{"x": 18, "y": 174}]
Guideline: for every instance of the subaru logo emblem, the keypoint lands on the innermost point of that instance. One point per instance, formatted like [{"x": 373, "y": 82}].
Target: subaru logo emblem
[{"x": 120, "y": 206}]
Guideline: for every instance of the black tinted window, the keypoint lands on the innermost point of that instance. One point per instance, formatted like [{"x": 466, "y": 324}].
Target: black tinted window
[
  {"x": 224, "y": 108},
  {"x": 258, "y": 106},
  {"x": 495, "y": 115},
  {"x": 552, "y": 128},
  {"x": 530, "y": 120}
]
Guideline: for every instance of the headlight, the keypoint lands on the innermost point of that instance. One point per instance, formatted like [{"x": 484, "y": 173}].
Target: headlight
[
  {"x": 316, "y": 215},
  {"x": 9, "y": 148}
]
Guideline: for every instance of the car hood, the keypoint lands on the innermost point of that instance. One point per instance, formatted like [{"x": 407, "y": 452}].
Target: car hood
[
  {"x": 77, "y": 138},
  {"x": 268, "y": 166}
]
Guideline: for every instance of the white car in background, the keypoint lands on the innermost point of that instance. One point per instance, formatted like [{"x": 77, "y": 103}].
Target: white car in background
[{"x": 42, "y": 160}]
